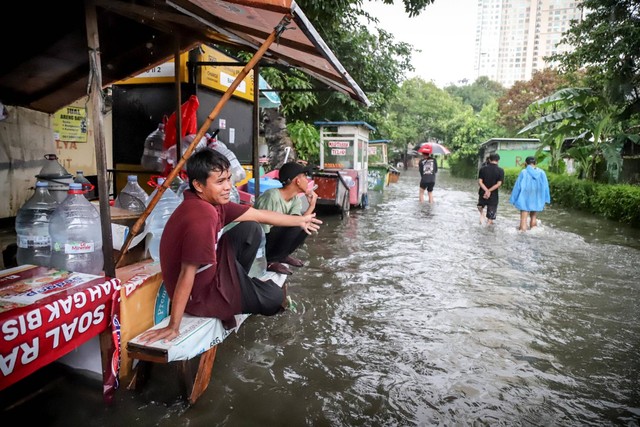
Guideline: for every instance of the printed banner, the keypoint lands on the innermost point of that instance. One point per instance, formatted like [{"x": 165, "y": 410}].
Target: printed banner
[{"x": 45, "y": 316}]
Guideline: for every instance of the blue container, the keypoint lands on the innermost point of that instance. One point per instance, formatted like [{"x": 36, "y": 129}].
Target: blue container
[{"x": 265, "y": 184}]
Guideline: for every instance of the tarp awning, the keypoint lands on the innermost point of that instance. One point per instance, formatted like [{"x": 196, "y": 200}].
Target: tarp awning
[{"x": 46, "y": 65}]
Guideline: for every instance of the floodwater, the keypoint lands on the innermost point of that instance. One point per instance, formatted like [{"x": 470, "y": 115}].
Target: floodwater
[{"x": 413, "y": 314}]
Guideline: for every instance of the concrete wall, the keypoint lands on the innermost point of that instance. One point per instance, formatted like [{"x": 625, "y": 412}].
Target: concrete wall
[{"x": 25, "y": 137}]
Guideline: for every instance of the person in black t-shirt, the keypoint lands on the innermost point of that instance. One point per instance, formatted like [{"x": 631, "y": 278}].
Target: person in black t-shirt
[
  {"x": 428, "y": 167},
  {"x": 490, "y": 178}
]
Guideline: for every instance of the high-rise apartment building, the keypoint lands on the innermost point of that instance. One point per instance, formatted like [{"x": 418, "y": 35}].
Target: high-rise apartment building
[{"x": 514, "y": 36}]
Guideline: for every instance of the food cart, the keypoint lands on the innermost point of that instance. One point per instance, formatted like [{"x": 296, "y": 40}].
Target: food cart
[
  {"x": 342, "y": 177},
  {"x": 379, "y": 168}
]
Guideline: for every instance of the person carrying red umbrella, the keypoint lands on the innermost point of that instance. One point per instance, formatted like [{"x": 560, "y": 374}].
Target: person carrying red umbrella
[{"x": 428, "y": 168}]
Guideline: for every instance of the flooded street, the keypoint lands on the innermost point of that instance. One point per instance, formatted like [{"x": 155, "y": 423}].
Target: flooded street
[{"x": 413, "y": 314}]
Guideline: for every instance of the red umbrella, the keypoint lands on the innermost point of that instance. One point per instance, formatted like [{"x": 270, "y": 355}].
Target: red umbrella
[{"x": 433, "y": 148}]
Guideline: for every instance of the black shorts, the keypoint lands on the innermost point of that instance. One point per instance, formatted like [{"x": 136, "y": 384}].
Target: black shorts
[
  {"x": 492, "y": 210},
  {"x": 425, "y": 185}
]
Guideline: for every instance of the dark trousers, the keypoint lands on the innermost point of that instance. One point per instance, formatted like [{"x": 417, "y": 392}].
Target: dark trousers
[
  {"x": 258, "y": 297},
  {"x": 282, "y": 241}
]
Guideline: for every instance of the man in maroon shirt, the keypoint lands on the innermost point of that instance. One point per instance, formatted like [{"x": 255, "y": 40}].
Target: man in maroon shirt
[{"x": 205, "y": 271}]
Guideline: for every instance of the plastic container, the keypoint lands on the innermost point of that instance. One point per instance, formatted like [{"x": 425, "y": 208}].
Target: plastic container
[
  {"x": 76, "y": 234},
  {"x": 132, "y": 197},
  {"x": 57, "y": 177},
  {"x": 265, "y": 184},
  {"x": 237, "y": 171},
  {"x": 169, "y": 156},
  {"x": 32, "y": 227},
  {"x": 151, "y": 158},
  {"x": 158, "y": 218},
  {"x": 235, "y": 195},
  {"x": 87, "y": 186},
  {"x": 259, "y": 266}
]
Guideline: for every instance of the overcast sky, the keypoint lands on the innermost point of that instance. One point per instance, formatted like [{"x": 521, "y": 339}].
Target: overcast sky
[{"x": 444, "y": 32}]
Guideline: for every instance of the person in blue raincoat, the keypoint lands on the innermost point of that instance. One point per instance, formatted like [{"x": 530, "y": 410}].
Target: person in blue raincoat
[{"x": 530, "y": 193}]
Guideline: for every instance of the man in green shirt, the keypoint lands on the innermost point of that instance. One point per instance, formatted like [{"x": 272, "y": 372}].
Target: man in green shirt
[{"x": 283, "y": 241}]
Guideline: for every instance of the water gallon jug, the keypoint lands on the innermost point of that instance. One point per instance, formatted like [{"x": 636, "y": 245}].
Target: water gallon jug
[
  {"x": 76, "y": 234},
  {"x": 237, "y": 171},
  {"x": 159, "y": 217},
  {"x": 32, "y": 227},
  {"x": 87, "y": 186},
  {"x": 57, "y": 177},
  {"x": 152, "y": 155},
  {"x": 132, "y": 197},
  {"x": 259, "y": 266}
]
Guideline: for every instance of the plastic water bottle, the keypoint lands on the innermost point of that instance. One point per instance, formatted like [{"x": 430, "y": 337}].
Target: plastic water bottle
[
  {"x": 87, "y": 186},
  {"x": 235, "y": 195},
  {"x": 259, "y": 266},
  {"x": 76, "y": 235},
  {"x": 152, "y": 155},
  {"x": 32, "y": 227},
  {"x": 237, "y": 171},
  {"x": 159, "y": 217},
  {"x": 132, "y": 197}
]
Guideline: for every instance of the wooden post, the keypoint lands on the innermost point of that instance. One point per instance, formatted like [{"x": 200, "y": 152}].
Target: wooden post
[{"x": 97, "y": 104}]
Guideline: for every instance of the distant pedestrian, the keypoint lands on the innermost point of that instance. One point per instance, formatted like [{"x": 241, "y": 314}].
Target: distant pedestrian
[
  {"x": 530, "y": 193},
  {"x": 490, "y": 178},
  {"x": 428, "y": 168}
]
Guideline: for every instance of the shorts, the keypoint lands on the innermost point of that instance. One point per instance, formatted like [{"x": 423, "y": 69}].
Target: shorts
[
  {"x": 425, "y": 185},
  {"x": 492, "y": 211}
]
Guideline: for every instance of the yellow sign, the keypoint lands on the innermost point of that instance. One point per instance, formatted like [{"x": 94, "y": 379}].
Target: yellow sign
[
  {"x": 70, "y": 124},
  {"x": 163, "y": 73},
  {"x": 218, "y": 78}
]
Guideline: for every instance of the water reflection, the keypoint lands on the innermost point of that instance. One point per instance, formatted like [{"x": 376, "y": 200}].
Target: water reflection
[{"x": 415, "y": 314}]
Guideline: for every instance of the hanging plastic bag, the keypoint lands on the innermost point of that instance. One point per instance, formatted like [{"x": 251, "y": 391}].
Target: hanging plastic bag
[
  {"x": 170, "y": 158},
  {"x": 189, "y": 122}
]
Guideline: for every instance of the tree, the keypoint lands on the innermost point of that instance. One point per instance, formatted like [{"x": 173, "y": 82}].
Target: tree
[
  {"x": 513, "y": 105},
  {"x": 476, "y": 129},
  {"x": 479, "y": 93},
  {"x": 607, "y": 43},
  {"x": 375, "y": 60},
  {"x": 587, "y": 117}
]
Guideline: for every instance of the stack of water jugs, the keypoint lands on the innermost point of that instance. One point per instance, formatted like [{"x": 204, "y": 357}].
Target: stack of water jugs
[{"x": 66, "y": 236}]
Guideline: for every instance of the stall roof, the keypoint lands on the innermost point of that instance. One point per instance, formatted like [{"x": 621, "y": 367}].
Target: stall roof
[
  {"x": 46, "y": 65},
  {"x": 347, "y": 123}
]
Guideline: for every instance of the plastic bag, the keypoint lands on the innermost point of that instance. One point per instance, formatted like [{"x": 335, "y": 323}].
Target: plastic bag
[
  {"x": 189, "y": 122},
  {"x": 169, "y": 156}
]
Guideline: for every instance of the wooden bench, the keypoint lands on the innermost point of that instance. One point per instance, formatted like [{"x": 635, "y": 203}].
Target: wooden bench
[{"x": 192, "y": 353}]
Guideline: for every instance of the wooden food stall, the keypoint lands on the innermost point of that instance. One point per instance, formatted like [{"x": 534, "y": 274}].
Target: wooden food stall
[{"x": 97, "y": 43}]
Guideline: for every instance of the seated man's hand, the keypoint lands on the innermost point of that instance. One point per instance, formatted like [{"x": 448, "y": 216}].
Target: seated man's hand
[
  {"x": 310, "y": 223},
  {"x": 154, "y": 335},
  {"x": 312, "y": 197}
]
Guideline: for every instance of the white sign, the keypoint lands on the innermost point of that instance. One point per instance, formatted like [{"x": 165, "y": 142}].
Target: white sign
[
  {"x": 168, "y": 69},
  {"x": 227, "y": 79}
]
